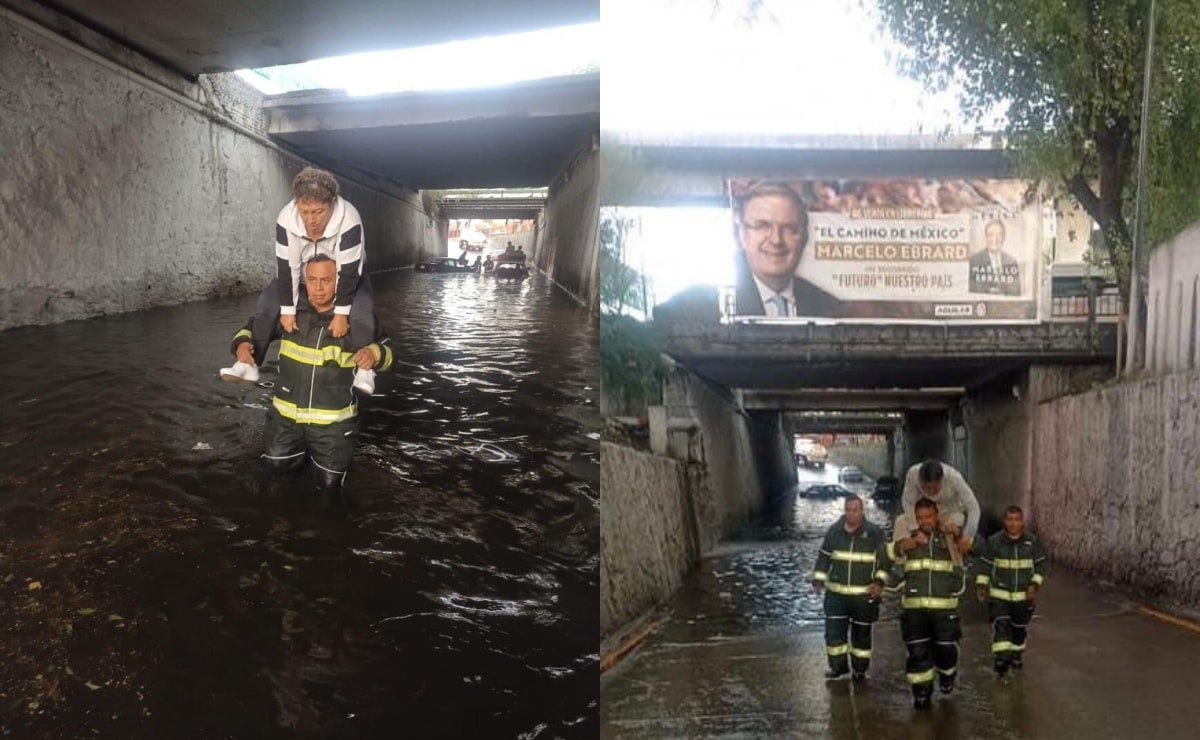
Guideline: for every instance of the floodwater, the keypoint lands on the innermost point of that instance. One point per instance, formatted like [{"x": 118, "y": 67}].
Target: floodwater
[
  {"x": 738, "y": 652},
  {"x": 153, "y": 584}
]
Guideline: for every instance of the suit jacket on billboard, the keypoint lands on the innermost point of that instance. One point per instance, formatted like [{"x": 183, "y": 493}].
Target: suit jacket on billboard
[
  {"x": 984, "y": 280},
  {"x": 810, "y": 300}
]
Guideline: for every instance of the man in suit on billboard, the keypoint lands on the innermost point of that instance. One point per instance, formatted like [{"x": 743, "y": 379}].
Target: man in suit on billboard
[
  {"x": 993, "y": 270},
  {"x": 772, "y": 232}
]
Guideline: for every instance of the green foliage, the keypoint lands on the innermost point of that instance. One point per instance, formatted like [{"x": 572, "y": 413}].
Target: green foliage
[
  {"x": 621, "y": 286},
  {"x": 631, "y": 361},
  {"x": 1066, "y": 77}
]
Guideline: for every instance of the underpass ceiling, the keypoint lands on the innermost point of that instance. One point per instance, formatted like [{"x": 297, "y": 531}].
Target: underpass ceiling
[{"x": 205, "y": 36}]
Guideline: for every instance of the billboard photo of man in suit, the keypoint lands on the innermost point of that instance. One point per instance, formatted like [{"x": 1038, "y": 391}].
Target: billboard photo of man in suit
[
  {"x": 993, "y": 270},
  {"x": 772, "y": 232}
]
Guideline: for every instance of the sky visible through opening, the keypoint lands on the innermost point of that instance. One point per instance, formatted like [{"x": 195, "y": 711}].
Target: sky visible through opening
[{"x": 481, "y": 62}]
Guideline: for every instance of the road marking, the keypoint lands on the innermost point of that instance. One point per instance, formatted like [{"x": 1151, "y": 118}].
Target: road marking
[
  {"x": 612, "y": 658},
  {"x": 1185, "y": 623}
]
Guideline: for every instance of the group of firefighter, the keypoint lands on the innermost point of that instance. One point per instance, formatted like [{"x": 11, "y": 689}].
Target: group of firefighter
[{"x": 931, "y": 559}]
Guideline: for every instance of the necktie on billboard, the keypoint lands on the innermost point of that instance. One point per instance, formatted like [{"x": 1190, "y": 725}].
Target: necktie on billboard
[{"x": 780, "y": 304}]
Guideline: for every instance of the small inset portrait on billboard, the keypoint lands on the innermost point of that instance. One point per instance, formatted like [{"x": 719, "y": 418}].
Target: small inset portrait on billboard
[
  {"x": 771, "y": 227},
  {"x": 993, "y": 269}
]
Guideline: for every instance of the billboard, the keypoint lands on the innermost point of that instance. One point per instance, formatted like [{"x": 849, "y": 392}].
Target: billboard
[{"x": 917, "y": 249}]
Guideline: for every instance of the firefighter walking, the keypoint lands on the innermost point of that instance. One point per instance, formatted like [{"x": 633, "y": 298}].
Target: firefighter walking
[
  {"x": 849, "y": 570},
  {"x": 1010, "y": 569},
  {"x": 929, "y": 622}
]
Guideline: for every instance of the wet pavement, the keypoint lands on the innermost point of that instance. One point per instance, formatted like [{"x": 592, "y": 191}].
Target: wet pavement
[
  {"x": 152, "y": 585},
  {"x": 740, "y": 654}
]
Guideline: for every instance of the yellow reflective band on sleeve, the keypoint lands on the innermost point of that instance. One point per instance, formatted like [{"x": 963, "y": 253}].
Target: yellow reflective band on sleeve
[
  {"x": 313, "y": 416},
  {"x": 318, "y": 357},
  {"x": 386, "y": 361},
  {"x": 891, "y": 550},
  {"x": 882, "y": 575},
  {"x": 928, "y": 564},
  {"x": 1019, "y": 563},
  {"x": 820, "y": 575},
  {"x": 981, "y": 580},
  {"x": 859, "y": 653},
  {"x": 837, "y": 649},
  {"x": 928, "y": 602},
  {"x": 1002, "y": 595},
  {"x": 1037, "y": 578},
  {"x": 1003, "y": 646},
  {"x": 841, "y": 588},
  {"x": 922, "y": 677},
  {"x": 853, "y": 557},
  {"x": 1017, "y": 647},
  {"x": 243, "y": 333}
]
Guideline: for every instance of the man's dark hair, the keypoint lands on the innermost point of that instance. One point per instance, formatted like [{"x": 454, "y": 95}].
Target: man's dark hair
[
  {"x": 853, "y": 497},
  {"x": 321, "y": 258},
  {"x": 925, "y": 503},
  {"x": 931, "y": 471},
  {"x": 996, "y": 222},
  {"x": 1013, "y": 510}
]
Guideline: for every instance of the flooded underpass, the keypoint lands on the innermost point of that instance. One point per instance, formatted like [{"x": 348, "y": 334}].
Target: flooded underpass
[
  {"x": 153, "y": 584},
  {"x": 738, "y": 652}
]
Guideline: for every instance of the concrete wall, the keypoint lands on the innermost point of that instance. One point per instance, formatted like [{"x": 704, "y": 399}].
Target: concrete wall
[
  {"x": 1116, "y": 473},
  {"x": 1173, "y": 307},
  {"x": 646, "y": 532},
  {"x": 568, "y": 246},
  {"x": 119, "y": 192},
  {"x": 872, "y": 459}
]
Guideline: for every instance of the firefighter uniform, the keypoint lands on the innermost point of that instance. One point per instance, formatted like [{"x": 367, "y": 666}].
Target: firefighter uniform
[
  {"x": 929, "y": 623},
  {"x": 846, "y": 565},
  {"x": 1007, "y": 567},
  {"x": 314, "y": 412}
]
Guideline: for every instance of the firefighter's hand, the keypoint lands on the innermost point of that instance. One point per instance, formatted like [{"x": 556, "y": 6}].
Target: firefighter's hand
[
  {"x": 366, "y": 357},
  {"x": 981, "y": 594},
  {"x": 920, "y": 539},
  {"x": 964, "y": 545},
  {"x": 288, "y": 321},
  {"x": 245, "y": 353},
  {"x": 875, "y": 591},
  {"x": 340, "y": 325},
  {"x": 818, "y": 587},
  {"x": 1031, "y": 592}
]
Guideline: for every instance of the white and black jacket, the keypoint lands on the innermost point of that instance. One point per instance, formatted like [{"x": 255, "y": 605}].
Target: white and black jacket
[{"x": 342, "y": 241}]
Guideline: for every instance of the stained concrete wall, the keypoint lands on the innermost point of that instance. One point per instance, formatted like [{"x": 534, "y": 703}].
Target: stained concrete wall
[
  {"x": 1115, "y": 477},
  {"x": 647, "y": 542},
  {"x": 118, "y": 192},
  {"x": 568, "y": 244},
  {"x": 873, "y": 459},
  {"x": 1173, "y": 304}
]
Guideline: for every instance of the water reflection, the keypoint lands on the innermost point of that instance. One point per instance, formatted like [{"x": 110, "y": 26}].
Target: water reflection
[{"x": 454, "y": 587}]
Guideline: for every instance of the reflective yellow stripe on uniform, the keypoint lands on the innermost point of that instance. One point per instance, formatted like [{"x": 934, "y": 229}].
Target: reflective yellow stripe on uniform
[
  {"x": 318, "y": 357},
  {"x": 1003, "y": 646},
  {"x": 312, "y": 416},
  {"x": 1019, "y": 563},
  {"x": 837, "y": 649},
  {"x": 928, "y": 602},
  {"x": 922, "y": 677},
  {"x": 1037, "y": 578},
  {"x": 243, "y": 333},
  {"x": 928, "y": 564},
  {"x": 881, "y": 575},
  {"x": 854, "y": 557},
  {"x": 858, "y": 653},
  {"x": 1002, "y": 595},
  {"x": 820, "y": 575},
  {"x": 841, "y": 588},
  {"x": 981, "y": 580}
]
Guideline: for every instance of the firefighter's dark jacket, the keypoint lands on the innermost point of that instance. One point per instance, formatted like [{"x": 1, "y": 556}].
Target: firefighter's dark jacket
[
  {"x": 316, "y": 370},
  {"x": 932, "y": 580},
  {"x": 849, "y": 561},
  {"x": 1008, "y": 567}
]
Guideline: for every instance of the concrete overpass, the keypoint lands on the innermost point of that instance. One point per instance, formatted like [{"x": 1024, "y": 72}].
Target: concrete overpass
[
  {"x": 207, "y": 36},
  {"x": 519, "y": 135},
  {"x": 768, "y": 356},
  {"x": 855, "y": 423}
]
